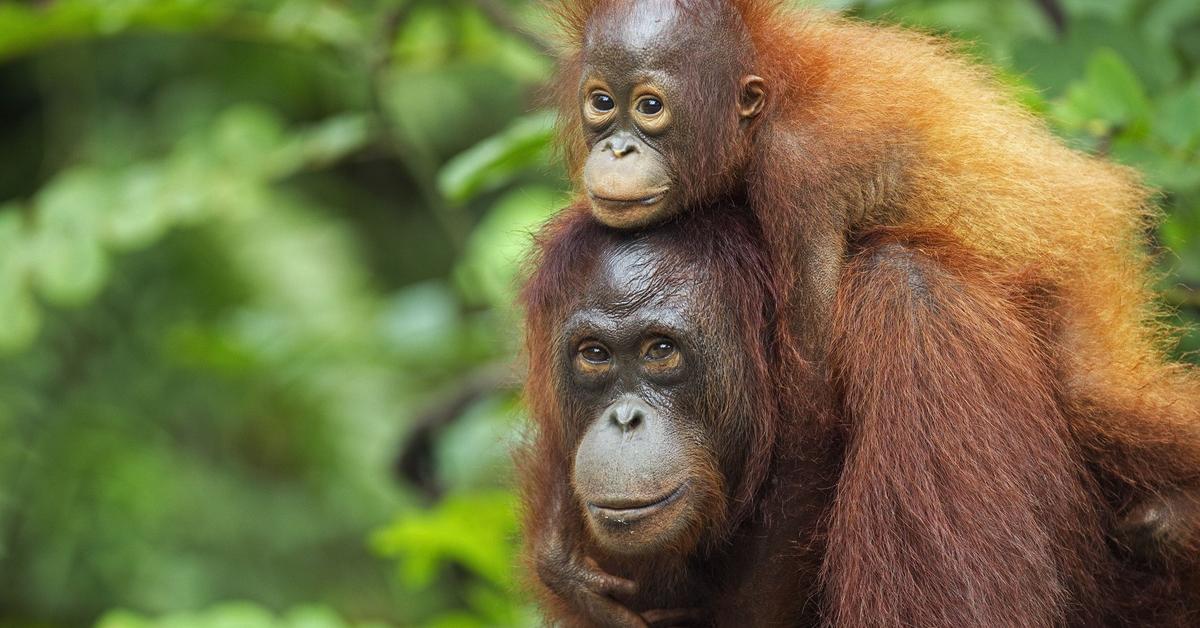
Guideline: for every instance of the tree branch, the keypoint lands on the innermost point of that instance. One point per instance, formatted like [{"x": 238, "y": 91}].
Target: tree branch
[
  {"x": 1183, "y": 297},
  {"x": 416, "y": 463},
  {"x": 1054, "y": 11},
  {"x": 413, "y": 157}
]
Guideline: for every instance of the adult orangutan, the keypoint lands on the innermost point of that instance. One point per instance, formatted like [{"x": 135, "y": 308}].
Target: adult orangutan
[
  {"x": 691, "y": 467},
  {"x": 825, "y": 127}
]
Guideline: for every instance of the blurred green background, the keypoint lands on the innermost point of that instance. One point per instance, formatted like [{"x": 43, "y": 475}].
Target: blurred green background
[{"x": 257, "y": 267}]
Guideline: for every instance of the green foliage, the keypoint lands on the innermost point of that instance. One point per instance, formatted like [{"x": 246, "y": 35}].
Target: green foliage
[
  {"x": 26, "y": 27},
  {"x": 1110, "y": 98},
  {"x": 245, "y": 245},
  {"x": 473, "y": 530},
  {"x": 63, "y": 240},
  {"x": 211, "y": 348},
  {"x": 234, "y": 615},
  {"x": 498, "y": 160}
]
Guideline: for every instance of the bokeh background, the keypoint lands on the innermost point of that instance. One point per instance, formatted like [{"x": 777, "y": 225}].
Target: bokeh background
[{"x": 257, "y": 264}]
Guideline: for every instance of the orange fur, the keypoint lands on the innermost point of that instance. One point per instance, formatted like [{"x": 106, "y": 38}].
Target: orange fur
[
  {"x": 1010, "y": 420},
  {"x": 962, "y": 497},
  {"x": 959, "y": 449},
  {"x": 870, "y": 125}
]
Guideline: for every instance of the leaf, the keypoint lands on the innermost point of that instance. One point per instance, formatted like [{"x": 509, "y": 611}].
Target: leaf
[
  {"x": 299, "y": 23},
  {"x": 426, "y": 39},
  {"x": 26, "y": 28},
  {"x": 69, "y": 264},
  {"x": 1115, "y": 88},
  {"x": 483, "y": 42},
  {"x": 489, "y": 267},
  {"x": 1115, "y": 11},
  {"x": 1053, "y": 65},
  {"x": 1110, "y": 97},
  {"x": 475, "y": 452},
  {"x": 229, "y": 615},
  {"x": 139, "y": 214},
  {"x": 1164, "y": 18},
  {"x": 313, "y": 19},
  {"x": 498, "y": 159},
  {"x": 19, "y": 317},
  {"x": 325, "y": 143},
  {"x": 473, "y": 529},
  {"x": 236, "y": 615},
  {"x": 1162, "y": 170},
  {"x": 421, "y": 321},
  {"x": 432, "y": 110},
  {"x": 1177, "y": 118},
  {"x": 313, "y": 617},
  {"x": 245, "y": 136}
]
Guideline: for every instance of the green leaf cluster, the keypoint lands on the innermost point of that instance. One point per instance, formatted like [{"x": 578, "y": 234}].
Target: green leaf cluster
[{"x": 234, "y": 615}]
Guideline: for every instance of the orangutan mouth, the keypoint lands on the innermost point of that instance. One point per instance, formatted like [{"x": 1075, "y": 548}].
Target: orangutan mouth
[{"x": 631, "y": 510}]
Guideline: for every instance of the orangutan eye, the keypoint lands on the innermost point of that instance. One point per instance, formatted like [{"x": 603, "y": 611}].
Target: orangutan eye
[
  {"x": 649, "y": 106},
  {"x": 660, "y": 349},
  {"x": 594, "y": 353},
  {"x": 602, "y": 102}
]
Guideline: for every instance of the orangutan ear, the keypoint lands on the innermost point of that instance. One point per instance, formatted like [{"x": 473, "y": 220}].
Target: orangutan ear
[{"x": 752, "y": 96}]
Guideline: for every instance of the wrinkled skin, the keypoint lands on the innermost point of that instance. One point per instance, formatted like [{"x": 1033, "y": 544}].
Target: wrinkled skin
[
  {"x": 669, "y": 108},
  {"x": 653, "y": 389},
  {"x": 634, "y": 363},
  {"x": 628, "y": 422},
  {"x": 634, "y": 357},
  {"x": 595, "y": 594},
  {"x": 579, "y": 580}
]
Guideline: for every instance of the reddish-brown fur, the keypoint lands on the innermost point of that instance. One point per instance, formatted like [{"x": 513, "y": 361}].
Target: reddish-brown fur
[
  {"x": 965, "y": 496},
  {"x": 998, "y": 408},
  {"x": 783, "y": 416},
  {"x": 570, "y": 245},
  {"x": 963, "y": 500},
  {"x": 934, "y": 480},
  {"x": 869, "y": 125}
]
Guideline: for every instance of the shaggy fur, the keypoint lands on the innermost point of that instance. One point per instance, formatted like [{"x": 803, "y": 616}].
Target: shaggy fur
[
  {"x": 872, "y": 125},
  {"x": 1003, "y": 397},
  {"x": 958, "y": 450},
  {"x": 744, "y": 345},
  {"x": 933, "y": 481}
]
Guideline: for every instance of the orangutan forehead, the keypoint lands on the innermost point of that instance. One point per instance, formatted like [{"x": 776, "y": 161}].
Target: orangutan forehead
[
  {"x": 653, "y": 33},
  {"x": 642, "y": 272},
  {"x": 635, "y": 23}
]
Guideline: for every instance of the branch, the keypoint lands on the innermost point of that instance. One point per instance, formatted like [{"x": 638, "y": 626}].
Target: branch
[
  {"x": 1183, "y": 297},
  {"x": 416, "y": 161},
  {"x": 416, "y": 463},
  {"x": 1054, "y": 11}
]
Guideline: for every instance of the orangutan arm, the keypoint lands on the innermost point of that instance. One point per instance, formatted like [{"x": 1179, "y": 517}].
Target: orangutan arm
[{"x": 961, "y": 501}]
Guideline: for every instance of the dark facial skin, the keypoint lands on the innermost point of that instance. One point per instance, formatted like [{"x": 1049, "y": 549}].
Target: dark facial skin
[
  {"x": 645, "y": 478},
  {"x": 632, "y": 361},
  {"x": 643, "y": 61}
]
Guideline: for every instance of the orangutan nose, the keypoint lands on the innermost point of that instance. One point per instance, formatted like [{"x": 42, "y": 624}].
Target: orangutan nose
[
  {"x": 621, "y": 145},
  {"x": 627, "y": 414}
]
